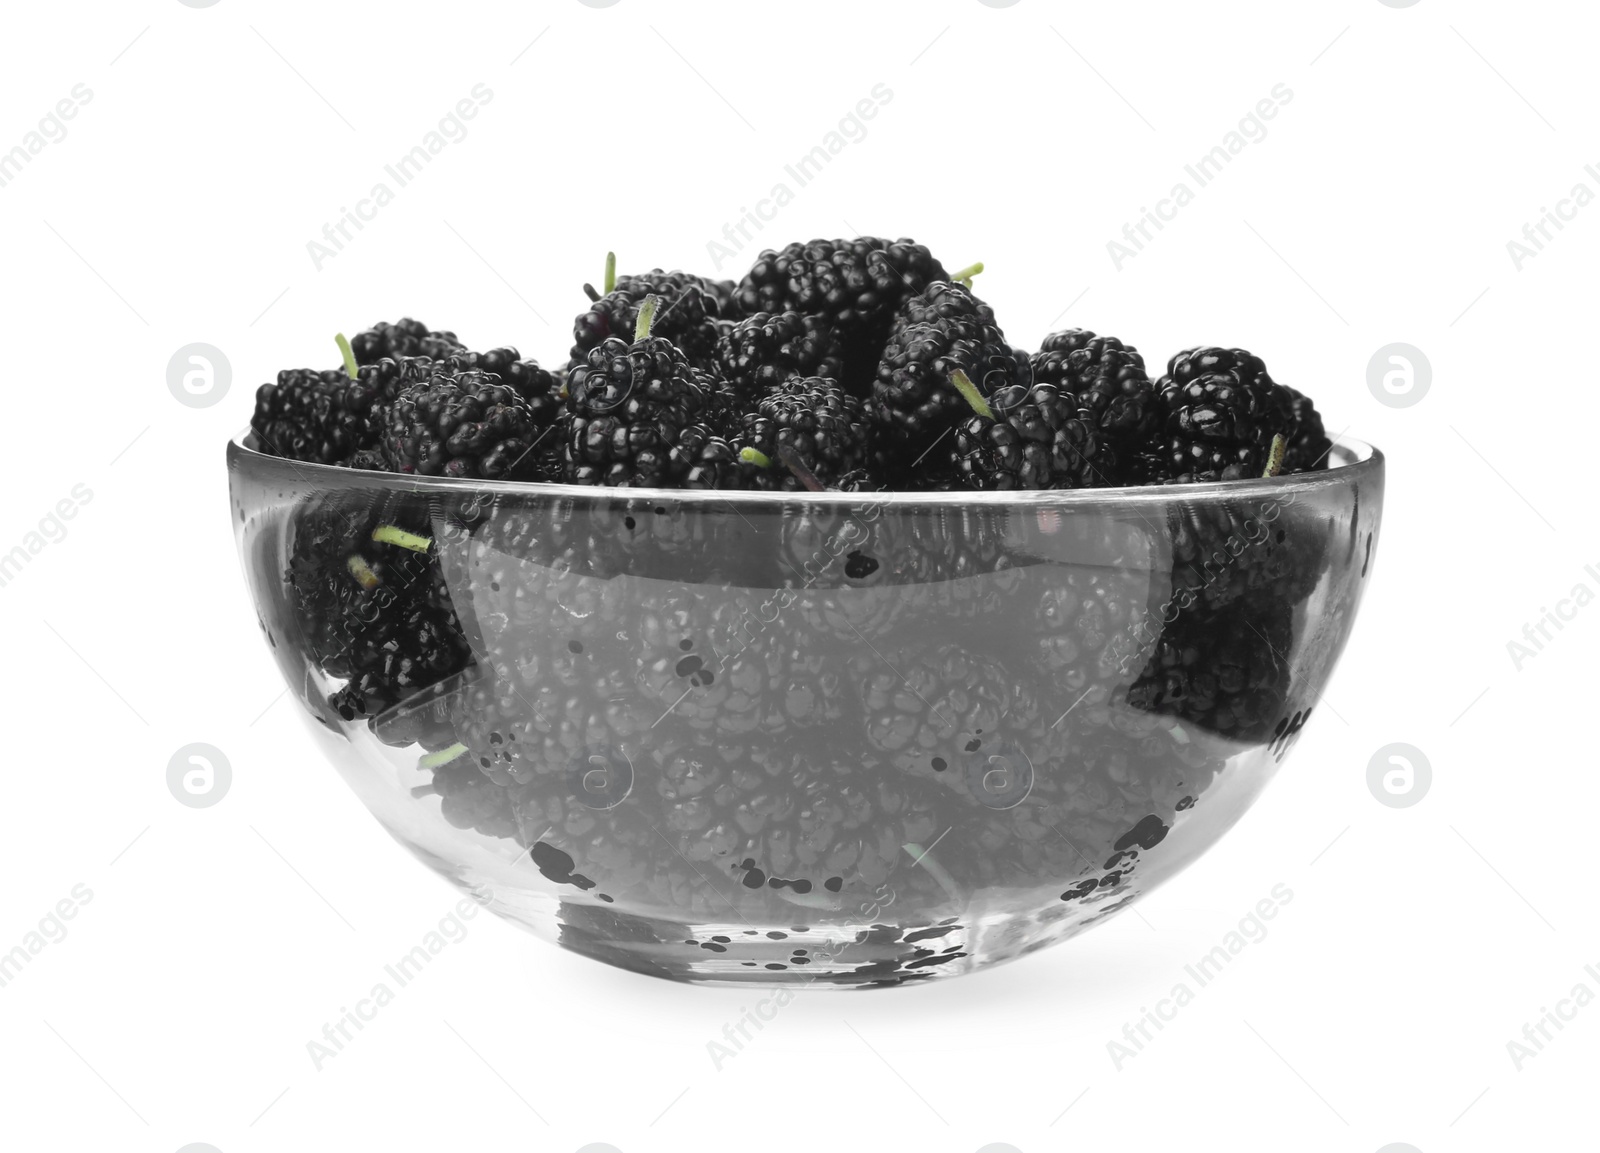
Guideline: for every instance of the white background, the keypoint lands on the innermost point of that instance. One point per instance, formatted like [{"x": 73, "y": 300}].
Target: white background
[{"x": 1377, "y": 209}]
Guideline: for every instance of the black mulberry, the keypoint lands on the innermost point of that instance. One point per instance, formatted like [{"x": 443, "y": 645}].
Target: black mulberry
[
  {"x": 1038, "y": 437},
  {"x": 628, "y": 405},
  {"x": 1222, "y": 411},
  {"x": 855, "y": 285},
  {"x": 762, "y": 351},
  {"x": 687, "y": 314},
  {"x": 405, "y": 337},
  {"x": 463, "y": 424},
  {"x": 941, "y": 330},
  {"x": 807, "y": 432},
  {"x": 1107, "y": 376}
]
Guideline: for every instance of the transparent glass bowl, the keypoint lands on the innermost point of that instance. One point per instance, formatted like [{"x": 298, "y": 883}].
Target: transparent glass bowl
[{"x": 836, "y": 738}]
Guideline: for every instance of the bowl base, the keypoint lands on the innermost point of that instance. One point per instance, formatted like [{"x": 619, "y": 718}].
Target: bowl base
[
  {"x": 998, "y": 926},
  {"x": 838, "y": 956}
]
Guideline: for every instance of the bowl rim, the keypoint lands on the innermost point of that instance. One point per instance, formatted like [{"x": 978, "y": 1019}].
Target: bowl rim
[{"x": 1351, "y": 461}]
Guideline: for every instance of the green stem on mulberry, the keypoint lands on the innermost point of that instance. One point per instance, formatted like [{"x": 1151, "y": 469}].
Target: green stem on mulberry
[
  {"x": 362, "y": 571},
  {"x": 970, "y": 393},
  {"x": 1275, "y": 455},
  {"x": 965, "y": 275},
  {"x": 442, "y": 757},
  {"x": 647, "y": 317},
  {"x": 756, "y": 457},
  {"x": 609, "y": 283},
  {"x": 791, "y": 461},
  {"x": 923, "y": 857},
  {"x": 349, "y": 355},
  {"x": 394, "y": 534}
]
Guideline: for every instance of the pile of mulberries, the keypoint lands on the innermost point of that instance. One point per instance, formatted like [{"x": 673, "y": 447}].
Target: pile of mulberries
[
  {"x": 672, "y": 379},
  {"x": 716, "y": 707}
]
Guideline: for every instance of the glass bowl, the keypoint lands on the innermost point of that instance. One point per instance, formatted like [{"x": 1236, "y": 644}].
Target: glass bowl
[{"x": 843, "y": 739}]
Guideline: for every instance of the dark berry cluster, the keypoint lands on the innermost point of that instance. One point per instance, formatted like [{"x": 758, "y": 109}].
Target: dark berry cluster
[
  {"x": 765, "y": 349},
  {"x": 460, "y": 423},
  {"x": 853, "y": 284},
  {"x": 677, "y": 380},
  {"x": 941, "y": 331},
  {"x": 460, "y": 413},
  {"x": 304, "y": 415},
  {"x": 1222, "y": 413},
  {"x": 687, "y": 315},
  {"x": 807, "y": 432},
  {"x": 1106, "y": 375},
  {"x": 629, "y": 406},
  {"x": 372, "y": 603},
  {"x": 405, "y": 337},
  {"x": 1035, "y": 437}
]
